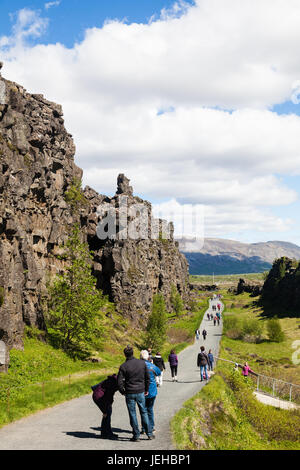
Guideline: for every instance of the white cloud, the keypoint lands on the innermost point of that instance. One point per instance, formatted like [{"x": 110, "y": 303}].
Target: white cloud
[
  {"x": 195, "y": 63},
  {"x": 28, "y": 24},
  {"x": 51, "y": 4}
]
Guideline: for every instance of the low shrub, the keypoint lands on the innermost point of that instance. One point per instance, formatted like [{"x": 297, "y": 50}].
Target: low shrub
[
  {"x": 275, "y": 332},
  {"x": 234, "y": 333},
  {"x": 252, "y": 327}
]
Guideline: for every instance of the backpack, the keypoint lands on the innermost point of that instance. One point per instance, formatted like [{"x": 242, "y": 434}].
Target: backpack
[{"x": 98, "y": 390}]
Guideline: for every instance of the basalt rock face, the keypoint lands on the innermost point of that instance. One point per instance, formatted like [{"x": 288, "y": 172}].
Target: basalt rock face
[
  {"x": 36, "y": 169},
  {"x": 252, "y": 287},
  {"x": 140, "y": 259}
]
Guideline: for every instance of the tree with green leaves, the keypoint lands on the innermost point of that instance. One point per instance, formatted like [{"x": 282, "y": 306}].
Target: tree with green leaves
[
  {"x": 75, "y": 196},
  {"x": 157, "y": 323},
  {"x": 74, "y": 303},
  {"x": 176, "y": 301}
]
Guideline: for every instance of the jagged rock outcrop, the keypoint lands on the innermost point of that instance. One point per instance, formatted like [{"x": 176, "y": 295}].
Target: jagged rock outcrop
[
  {"x": 281, "y": 290},
  {"x": 131, "y": 270},
  {"x": 36, "y": 169},
  {"x": 252, "y": 287},
  {"x": 204, "y": 287}
]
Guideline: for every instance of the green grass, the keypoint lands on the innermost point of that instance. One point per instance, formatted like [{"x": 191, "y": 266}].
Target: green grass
[
  {"x": 31, "y": 398},
  {"x": 42, "y": 376},
  {"x": 225, "y": 415},
  {"x": 226, "y": 278},
  {"x": 266, "y": 357}
]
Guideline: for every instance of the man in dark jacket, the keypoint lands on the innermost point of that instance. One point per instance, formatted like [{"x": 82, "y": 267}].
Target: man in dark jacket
[
  {"x": 133, "y": 382},
  {"x": 202, "y": 362}
]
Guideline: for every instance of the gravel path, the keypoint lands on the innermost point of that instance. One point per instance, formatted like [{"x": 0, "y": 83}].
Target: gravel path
[{"x": 74, "y": 425}]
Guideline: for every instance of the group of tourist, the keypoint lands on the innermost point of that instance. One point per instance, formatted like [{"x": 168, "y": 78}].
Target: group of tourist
[
  {"x": 204, "y": 334},
  {"x": 138, "y": 380}
]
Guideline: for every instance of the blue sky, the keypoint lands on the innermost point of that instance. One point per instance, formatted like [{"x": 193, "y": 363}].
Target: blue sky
[
  {"x": 69, "y": 19},
  {"x": 195, "y": 101}
]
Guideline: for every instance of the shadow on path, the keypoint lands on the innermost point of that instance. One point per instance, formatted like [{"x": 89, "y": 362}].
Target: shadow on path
[
  {"x": 118, "y": 430},
  {"x": 83, "y": 435},
  {"x": 91, "y": 435}
]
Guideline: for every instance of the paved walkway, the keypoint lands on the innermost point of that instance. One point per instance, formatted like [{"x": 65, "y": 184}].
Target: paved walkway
[
  {"x": 275, "y": 401},
  {"x": 74, "y": 425}
]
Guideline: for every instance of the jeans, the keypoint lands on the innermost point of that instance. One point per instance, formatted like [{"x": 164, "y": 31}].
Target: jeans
[
  {"x": 133, "y": 399},
  {"x": 210, "y": 365},
  {"x": 149, "y": 408},
  {"x": 201, "y": 371}
]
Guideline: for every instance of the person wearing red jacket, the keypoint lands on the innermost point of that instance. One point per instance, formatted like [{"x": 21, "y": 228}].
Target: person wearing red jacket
[{"x": 246, "y": 369}]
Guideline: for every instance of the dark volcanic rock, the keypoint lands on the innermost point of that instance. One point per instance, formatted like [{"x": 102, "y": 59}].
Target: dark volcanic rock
[
  {"x": 130, "y": 270},
  {"x": 36, "y": 169},
  {"x": 252, "y": 287}
]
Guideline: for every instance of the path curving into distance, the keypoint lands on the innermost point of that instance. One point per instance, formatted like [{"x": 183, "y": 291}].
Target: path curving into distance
[{"x": 75, "y": 425}]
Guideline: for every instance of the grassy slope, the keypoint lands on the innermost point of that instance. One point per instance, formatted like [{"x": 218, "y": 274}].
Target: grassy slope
[
  {"x": 225, "y": 415},
  {"x": 42, "y": 376}
]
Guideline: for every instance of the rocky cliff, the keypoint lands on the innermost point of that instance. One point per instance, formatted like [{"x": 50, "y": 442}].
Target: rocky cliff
[
  {"x": 139, "y": 260},
  {"x": 36, "y": 170}
]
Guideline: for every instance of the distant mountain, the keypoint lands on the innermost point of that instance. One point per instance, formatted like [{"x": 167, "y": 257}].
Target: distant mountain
[{"x": 232, "y": 257}]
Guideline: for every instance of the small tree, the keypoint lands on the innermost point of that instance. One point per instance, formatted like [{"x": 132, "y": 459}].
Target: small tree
[
  {"x": 75, "y": 196},
  {"x": 157, "y": 323},
  {"x": 176, "y": 301},
  {"x": 275, "y": 332},
  {"x": 74, "y": 302}
]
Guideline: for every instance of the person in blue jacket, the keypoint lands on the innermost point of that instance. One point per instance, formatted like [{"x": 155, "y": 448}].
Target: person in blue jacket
[{"x": 154, "y": 371}]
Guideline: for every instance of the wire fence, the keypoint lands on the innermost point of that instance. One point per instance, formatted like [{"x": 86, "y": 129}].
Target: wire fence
[{"x": 272, "y": 386}]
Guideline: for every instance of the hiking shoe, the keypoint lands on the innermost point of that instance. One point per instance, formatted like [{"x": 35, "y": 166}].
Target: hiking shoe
[
  {"x": 151, "y": 437},
  {"x": 135, "y": 439}
]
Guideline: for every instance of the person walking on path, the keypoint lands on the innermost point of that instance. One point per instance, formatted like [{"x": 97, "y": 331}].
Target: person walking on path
[
  {"x": 154, "y": 372},
  {"x": 103, "y": 396},
  {"x": 215, "y": 320},
  {"x": 204, "y": 334},
  {"x": 197, "y": 334},
  {"x": 133, "y": 382},
  {"x": 210, "y": 360},
  {"x": 246, "y": 369},
  {"x": 202, "y": 362},
  {"x": 173, "y": 361},
  {"x": 150, "y": 354},
  {"x": 159, "y": 362}
]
